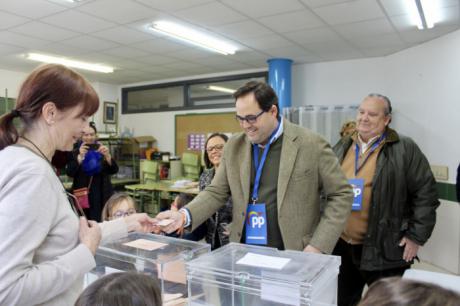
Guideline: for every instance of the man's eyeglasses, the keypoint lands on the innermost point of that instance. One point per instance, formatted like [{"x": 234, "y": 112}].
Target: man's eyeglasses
[
  {"x": 251, "y": 119},
  {"x": 218, "y": 147},
  {"x": 124, "y": 213}
]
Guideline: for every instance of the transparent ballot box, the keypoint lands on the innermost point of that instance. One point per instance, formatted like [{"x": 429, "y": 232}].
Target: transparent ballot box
[
  {"x": 245, "y": 275},
  {"x": 159, "y": 256}
]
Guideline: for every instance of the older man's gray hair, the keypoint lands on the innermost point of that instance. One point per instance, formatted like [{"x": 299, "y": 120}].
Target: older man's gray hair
[{"x": 387, "y": 101}]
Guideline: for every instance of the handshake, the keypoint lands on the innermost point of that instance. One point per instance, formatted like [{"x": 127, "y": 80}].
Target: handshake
[
  {"x": 169, "y": 222},
  {"x": 165, "y": 222}
]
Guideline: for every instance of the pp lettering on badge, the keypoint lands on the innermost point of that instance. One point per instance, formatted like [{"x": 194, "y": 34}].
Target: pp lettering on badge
[
  {"x": 358, "y": 186},
  {"x": 256, "y": 224}
]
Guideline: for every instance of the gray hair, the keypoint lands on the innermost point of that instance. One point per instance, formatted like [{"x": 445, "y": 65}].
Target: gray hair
[{"x": 387, "y": 101}]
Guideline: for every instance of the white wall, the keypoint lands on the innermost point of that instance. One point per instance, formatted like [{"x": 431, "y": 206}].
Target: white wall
[
  {"x": 107, "y": 93},
  {"x": 334, "y": 83},
  {"x": 424, "y": 86},
  {"x": 443, "y": 249},
  {"x": 11, "y": 80}
]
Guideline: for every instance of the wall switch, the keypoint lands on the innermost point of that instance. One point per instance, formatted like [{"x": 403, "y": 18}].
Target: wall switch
[{"x": 441, "y": 173}]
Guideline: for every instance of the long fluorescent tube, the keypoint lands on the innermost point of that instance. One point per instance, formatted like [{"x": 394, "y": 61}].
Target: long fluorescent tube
[
  {"x": 422, "y": 13},
  {"x": 221, "y": 89},
  {"x": 428, "y": 12},
  {"x": 70, "y": 63},
  {"x": 193, "y": 37}
]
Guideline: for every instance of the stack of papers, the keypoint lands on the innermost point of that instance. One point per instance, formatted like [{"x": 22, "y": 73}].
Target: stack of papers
[{"x": 181, "y": 183}]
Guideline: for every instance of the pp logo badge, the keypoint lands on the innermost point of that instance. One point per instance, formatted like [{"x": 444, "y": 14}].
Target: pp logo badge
[
  {"x": 358, "y": 186},
  {"x": 256, "y": 219},
  {"x": 356, "y": 190}
]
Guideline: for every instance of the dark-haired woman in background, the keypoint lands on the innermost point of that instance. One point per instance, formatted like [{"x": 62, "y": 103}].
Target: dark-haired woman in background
[
  {"x": 218, "y": 225},
  {"x": 92, "y": 174}
]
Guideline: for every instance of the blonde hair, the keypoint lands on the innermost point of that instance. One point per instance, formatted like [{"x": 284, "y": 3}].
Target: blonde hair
[{"x": 114, "y": 200}]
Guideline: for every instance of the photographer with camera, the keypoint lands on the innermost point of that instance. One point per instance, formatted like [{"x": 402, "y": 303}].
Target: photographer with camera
[{"x": 91, "y": 167}]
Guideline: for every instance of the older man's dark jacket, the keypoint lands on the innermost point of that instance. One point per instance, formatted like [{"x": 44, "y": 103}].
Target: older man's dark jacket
[{"x": 403, "y": 203}]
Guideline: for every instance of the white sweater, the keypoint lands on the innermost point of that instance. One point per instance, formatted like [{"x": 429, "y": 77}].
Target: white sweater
[{"x": 42, "y": 261}]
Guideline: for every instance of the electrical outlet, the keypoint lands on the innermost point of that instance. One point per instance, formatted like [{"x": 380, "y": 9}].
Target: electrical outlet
[{"x": 441, "y": 173}]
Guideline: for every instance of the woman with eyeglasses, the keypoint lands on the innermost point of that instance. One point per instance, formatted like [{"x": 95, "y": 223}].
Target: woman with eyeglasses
[
  {"x": 218, "y": 225},
  {"x": 91, "y": 166},
  {"x": 45, "y": 248}
]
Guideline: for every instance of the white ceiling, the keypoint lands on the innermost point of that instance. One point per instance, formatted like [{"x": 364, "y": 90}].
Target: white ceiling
[{"x": 115, "y": 33}]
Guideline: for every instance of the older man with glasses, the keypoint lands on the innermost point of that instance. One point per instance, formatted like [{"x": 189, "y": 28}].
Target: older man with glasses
[
  {"x": 274, "y": 172},
  {"x": 393, "y": 211}
]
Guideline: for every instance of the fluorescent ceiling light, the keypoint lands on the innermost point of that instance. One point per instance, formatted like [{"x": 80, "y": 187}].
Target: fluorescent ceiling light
[
  {"x": 194, "y": 37},
  {"x": 428, "y": 11},
  {"x": 70, "y": 63},
  {"x": 221, "y": 89},
  {"x": 422, "y": 13}
]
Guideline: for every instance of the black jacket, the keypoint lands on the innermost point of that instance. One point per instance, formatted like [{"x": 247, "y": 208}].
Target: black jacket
[
  {"x": 101, "y": 187},
  {"x": 403, "y": 202}
]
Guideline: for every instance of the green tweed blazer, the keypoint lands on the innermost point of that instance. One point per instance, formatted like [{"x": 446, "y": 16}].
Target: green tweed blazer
[{"x": 308, "y": 167}]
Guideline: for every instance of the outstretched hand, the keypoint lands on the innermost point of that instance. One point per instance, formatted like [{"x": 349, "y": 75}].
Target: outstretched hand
[
  {"x": 177, "y": 221},
  {"x": 141, "y": 223}
]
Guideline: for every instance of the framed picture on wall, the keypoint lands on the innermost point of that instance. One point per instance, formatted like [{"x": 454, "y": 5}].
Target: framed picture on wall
[{"x": 110, "y": 113}]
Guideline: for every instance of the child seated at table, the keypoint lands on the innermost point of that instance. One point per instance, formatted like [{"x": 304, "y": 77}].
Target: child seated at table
[
  {"x": 118, "y": 205},
  {"x": 180, "y": 201}
]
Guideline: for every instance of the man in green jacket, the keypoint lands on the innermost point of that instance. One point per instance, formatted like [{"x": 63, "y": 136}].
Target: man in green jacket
[
  {"x": 395, "y": 201},
  {"x": 274, "y": 172}
]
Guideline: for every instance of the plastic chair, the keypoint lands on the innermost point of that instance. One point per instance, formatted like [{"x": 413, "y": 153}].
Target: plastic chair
[
  {"x": 148, "y": 175},
  {"x": 148, "y": 171},
  {"x": 192, "y": 165}
]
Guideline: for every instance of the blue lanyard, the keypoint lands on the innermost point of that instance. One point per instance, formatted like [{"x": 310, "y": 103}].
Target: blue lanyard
[
  {"x": 258, "y": 166},
  {"x": 372, "y": 149}
]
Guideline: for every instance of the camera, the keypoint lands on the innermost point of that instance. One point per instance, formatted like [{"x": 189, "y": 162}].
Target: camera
[{"x": 93, "y": 146}]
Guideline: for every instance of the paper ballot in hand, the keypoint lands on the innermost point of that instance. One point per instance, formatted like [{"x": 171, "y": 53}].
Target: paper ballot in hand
[{"x": 165, "y": 222}]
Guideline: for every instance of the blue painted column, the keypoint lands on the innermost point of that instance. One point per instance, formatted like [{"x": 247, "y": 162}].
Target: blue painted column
[{"x": 279, "y": 78}]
